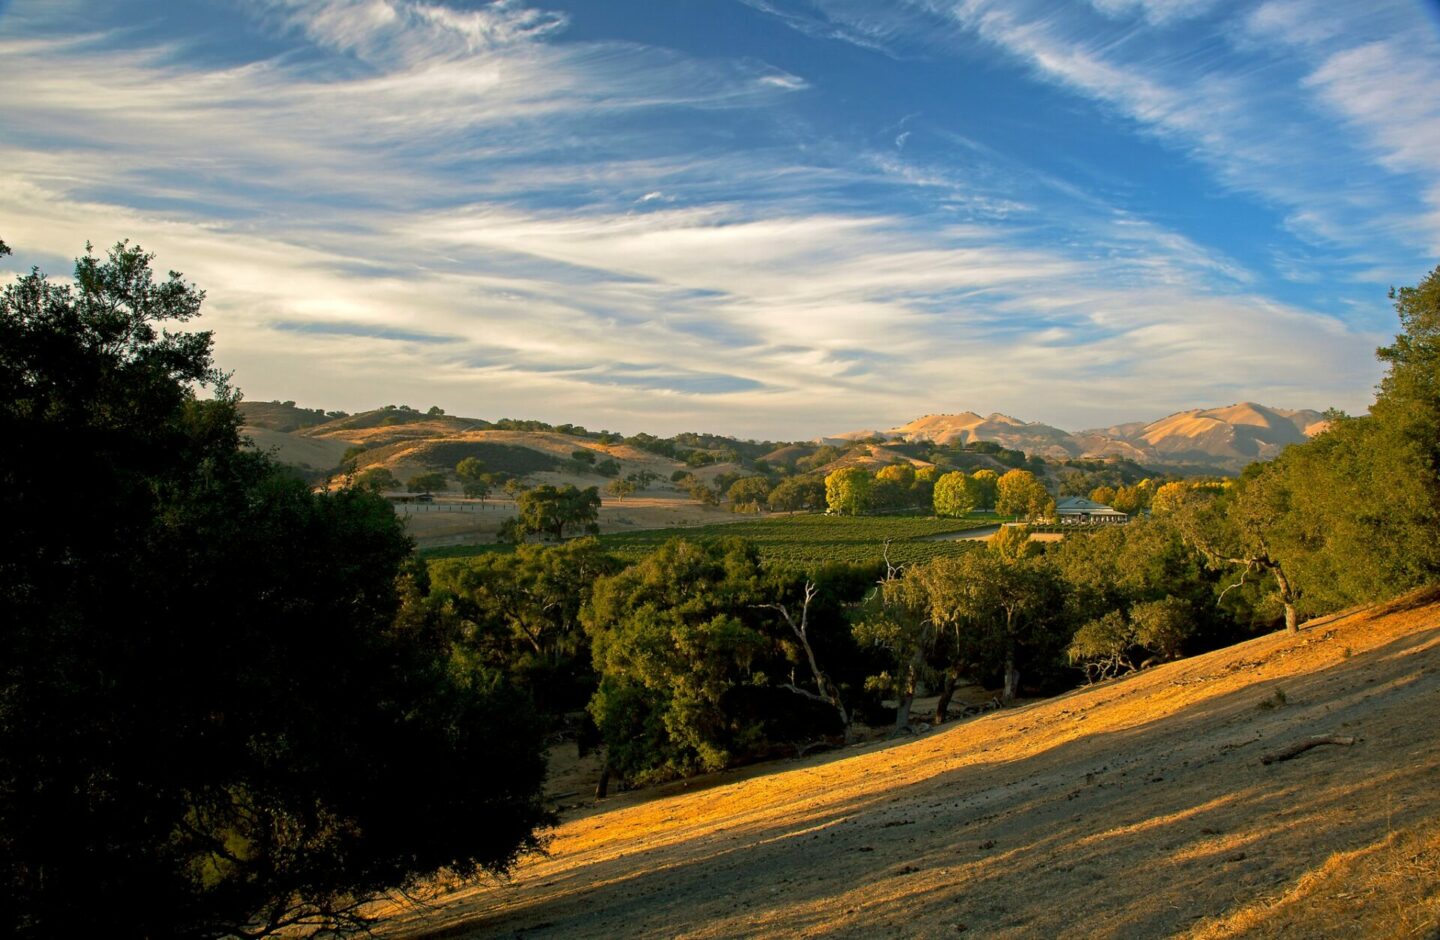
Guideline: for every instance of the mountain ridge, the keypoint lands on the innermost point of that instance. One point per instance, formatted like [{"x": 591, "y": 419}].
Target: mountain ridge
[{"x": 1226, "y": 437}]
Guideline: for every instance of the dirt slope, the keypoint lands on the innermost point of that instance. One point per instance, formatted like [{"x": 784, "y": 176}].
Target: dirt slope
[{"x": 1138, "y": 808}]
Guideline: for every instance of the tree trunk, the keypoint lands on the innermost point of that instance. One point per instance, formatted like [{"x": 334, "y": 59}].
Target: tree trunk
[
  {"x": 1012, "y": 675},
  {"x": 947, "y": 692},
  {"x": 902, "y": 711},
  {"x": 833, "y": 693},
  {"x": 602, "y": 787},
  {"x": 907, "y": 698},
  {"x": 1287, "y": 597}
]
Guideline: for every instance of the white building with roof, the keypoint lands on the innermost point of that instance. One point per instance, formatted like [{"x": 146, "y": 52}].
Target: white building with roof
[{"x": 1077, "y": 510}]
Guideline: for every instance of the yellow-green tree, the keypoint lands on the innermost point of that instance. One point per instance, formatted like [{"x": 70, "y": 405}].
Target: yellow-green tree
[
  {"x": 1020, "y": 494},
  {"x": 847, "y": 491},
  {"x": 1168, "y": 498},
  {"x": 955, "y": 495},
  {"x": 986, "y": 488},
  {"x": 901, "y": 474},
  {"x": 1104, "y": 495}
]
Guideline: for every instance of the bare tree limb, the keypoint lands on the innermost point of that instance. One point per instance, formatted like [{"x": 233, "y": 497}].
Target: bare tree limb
[
  {"x": 1295, "y": 750},
  {"x": 826, "y": 690}
]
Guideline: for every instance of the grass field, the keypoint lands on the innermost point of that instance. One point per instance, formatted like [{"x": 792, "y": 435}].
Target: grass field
[{"x": 802, "y": 541}]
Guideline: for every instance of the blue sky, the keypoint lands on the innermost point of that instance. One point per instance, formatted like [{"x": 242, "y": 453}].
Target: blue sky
[{"x": 773, "y": 218}]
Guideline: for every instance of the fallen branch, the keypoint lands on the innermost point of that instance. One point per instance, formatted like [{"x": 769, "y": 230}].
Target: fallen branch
[{"x": 1295, "y": 750}]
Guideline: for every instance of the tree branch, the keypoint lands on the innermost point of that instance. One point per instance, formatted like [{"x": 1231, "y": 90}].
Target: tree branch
[{"x": 1295, "y": 750}]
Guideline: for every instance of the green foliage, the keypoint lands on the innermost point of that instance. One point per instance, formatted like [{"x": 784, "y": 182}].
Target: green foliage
[
  {"x": 823, "y": 455},
  {"x": 224, "y": 704},
  {"x": 955, "y": 495},
  {"x": 797, "y": 493},
  {"x": 1019, "y": 493},
  {"x": 519, "y": 614},
  {"x": 987, "y": 488},
  {"x": 1102, "y": 646},
  {"x": 1133, "y": 499},
  {"x": 1352, "y": 515},
  {"x": 474, "y": 480},
  {"x": 1364, "y": 525},
  {"x": 282, "y": 416},
  {"x": 583, "y": 455},
  {"x": 893, "y": 621},
  {"x": 427, "y": 483},
  {"x": 1170, "y": 497},
  {"x": 898, "y": 486},
  {"x": 351, "y": 457},
  {"x": 1122, "y": 568},
  {"x": 992, "y": 615},
  {"x": 376, "y": 480},
  {"x": 749, "y": 494},
  {"x": 701, "y": 492},
  {"x": 547, "y": 510},
  {"x": 1107, "y": 646},
  {"x": 847, "y": 491},
  {"x": 444, "y": 455},
  {"x": 673, "y": 638},
  {"x": 1162, "y": 626},
  {"x": 620, "y": 488},
  {"x": 1012, "y": 543},
  {"x": 609, "y": 467}
]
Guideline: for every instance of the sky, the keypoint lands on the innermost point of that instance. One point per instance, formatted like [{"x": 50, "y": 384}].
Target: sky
[{"x": 769, "y": 218}]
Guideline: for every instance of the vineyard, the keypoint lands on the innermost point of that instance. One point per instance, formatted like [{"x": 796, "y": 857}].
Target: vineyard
[{"x": 801, "y": 541}]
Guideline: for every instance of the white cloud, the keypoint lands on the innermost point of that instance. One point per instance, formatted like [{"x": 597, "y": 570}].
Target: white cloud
[
  {"x": 340, "y": 214},
  {"x": 1244, "y": 109},
  {"x": 1155, "y": 11}
]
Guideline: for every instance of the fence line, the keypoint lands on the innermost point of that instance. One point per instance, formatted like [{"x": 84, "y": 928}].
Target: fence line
[{"x": 439, "y": 507}]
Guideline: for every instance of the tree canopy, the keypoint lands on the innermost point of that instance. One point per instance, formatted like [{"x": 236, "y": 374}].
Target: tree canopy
[
  {"x": 955, "y": 495},
  {"x": 551, "y": 510},
  {"x": 847, "y": 491},
  {"x": 224, "y": 709},
  {"x": 1019, "y": 493}
]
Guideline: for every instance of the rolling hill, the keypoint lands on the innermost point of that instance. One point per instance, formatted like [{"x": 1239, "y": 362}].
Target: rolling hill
[
  {"x": 1146, "y": 806},
  {"x": 1221, "y": 438}
]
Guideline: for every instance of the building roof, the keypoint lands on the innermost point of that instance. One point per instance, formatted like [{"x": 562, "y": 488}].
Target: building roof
[{"x": 1079, "y": 505}]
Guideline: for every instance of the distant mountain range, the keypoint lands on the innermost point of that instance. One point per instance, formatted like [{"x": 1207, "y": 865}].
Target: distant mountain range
[
  {"x": 1223, "y": 438},
  {"x": 1203, "y": 440}
]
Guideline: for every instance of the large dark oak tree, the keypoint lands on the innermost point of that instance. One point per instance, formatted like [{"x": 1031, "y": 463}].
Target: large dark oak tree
[{"x": 222, "y": 709}]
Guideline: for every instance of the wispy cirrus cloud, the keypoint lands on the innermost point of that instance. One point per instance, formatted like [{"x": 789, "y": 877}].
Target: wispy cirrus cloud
[
  {"x": 405, "y": 200},
  {"x": 1295, "y": 101}
]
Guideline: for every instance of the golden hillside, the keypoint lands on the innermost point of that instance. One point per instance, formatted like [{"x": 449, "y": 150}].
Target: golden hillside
[
  {"x": 1227, "y": 437},
  {"x": 1141, "y": 807}
]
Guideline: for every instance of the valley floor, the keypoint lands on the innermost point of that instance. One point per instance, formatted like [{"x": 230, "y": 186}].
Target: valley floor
[{"x": 1137, "y": 808}]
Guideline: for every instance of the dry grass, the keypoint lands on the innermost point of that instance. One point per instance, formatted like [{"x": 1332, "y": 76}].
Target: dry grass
[
  {"x": 1388, "y": 889},
  {"x": 1137, "y": 808}
]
